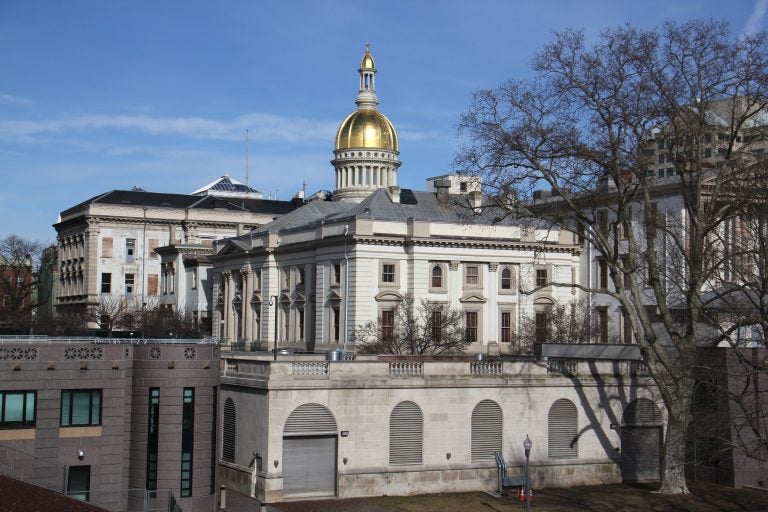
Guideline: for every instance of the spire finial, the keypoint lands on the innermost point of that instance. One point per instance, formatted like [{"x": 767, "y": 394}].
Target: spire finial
[{"x": 367, "y": 47}]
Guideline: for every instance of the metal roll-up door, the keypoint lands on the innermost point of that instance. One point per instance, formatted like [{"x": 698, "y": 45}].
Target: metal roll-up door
[
  {"x": 309, "y": 451},
  {"x": 641, "y": 441},
  {"x": 486, "y": 431},
  {"x": 563, "y": 430},
  {"x": 309, "y": 465}
]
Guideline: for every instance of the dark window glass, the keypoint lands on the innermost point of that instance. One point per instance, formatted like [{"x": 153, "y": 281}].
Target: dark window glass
[
  {"x": 80, "y": 407},
  {"x": 79, "y": 482},
  {"x": 17, "y": 409},
  {"x": 153, "y": 437},
  {"x": 388, "y": 273},
  {"x": 106, "y": 282},
  {"x": 470, "y": 324},
  {"x": 187, "y": 441}
]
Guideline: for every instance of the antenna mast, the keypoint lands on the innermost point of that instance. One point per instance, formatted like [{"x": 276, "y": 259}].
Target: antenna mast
[{"x": 247, "y": 151}]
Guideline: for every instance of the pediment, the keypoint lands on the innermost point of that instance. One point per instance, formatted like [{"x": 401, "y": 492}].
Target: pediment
[
  {"x": 230, "y": 248},
  {"x": 389, "y": 296},
  {"x": 300, "y": 298},
  {"x": 256, "y": 298},
  {"x": 473, "y": 297},
  {"x": 334, "y": 294},
  {"x": 284, "y": 297}
]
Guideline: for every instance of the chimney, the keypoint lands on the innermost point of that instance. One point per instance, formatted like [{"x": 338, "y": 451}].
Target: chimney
[
  {"x": 394, "y": 192},
  {"x": 441, "y": 190},
  {"x": 475, "y": 199}
]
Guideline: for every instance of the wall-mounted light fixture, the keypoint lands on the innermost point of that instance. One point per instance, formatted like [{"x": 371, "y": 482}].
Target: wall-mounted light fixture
[
  {"x": 276, "y": 463},
  {"x": 80, "y": 454},
  {"x": 448, "y": 455},
  {"x": 344, "y": 460},
  {"x": 344, "y": 433}
]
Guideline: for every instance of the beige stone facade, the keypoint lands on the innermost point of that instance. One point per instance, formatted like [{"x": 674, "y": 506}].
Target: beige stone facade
[{"x": 361, "y": 396}]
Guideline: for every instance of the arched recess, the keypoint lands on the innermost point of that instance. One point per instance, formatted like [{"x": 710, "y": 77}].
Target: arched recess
[
  {"x": 406, "y": 434},
  {"x": 641, "y": 436},
  {"x": 229, "y": 434},
  {"x": 309, "y": 451},
  {"x": 563, "y": 425},
  {"x": 487, "y": 428}
]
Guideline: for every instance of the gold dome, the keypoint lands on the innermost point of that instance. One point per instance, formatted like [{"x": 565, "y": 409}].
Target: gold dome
[
  {"x": 367, "y": 128},
  {"x": 367, "y": 62}
]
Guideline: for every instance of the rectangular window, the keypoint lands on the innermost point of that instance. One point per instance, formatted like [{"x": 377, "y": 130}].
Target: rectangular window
[
  {"x": 128, "y": 284},
  {"x": 387, "y": 324},
  {"x": 106, "y": 282},
  {"x": 470, "y": 326},
  {"x": 17, "y": 409},
  {"x": 152, "y": 288},
  {"x": 336, "y": 277},
  {"x": 300, "y": 323},
  {"x": 152, "y": 244},
  {"x": 388, "y": 273},
  {"x": 602, "y": 324},
  {"x": 257, "y": 281},
  {"x": 541, "y": 326},
  {"x": 541, "y": 277},
  {"x": 286, "y": 279},
  {"x": 153, "y": 425},
  {"x": 79, "y": 482},
  {"x": 195, "y": 277},
  {"x": 130, "y": 250},
  {"x": 602, "y": 274},
  {"x": 472, "y": 275},
  {"x": 335, "y": 321},
  {"x": 187, "y": 441},
  {"x": 506, "y": 326},
  {"x": 626, "y": 328},
  {"x": 301, "y": 276},
  {"x": 81, "y": 407},
  {"x": 436, "y": 320},
  {"x": 19, "y": 282},
  {"x": 106, "y": 247}
]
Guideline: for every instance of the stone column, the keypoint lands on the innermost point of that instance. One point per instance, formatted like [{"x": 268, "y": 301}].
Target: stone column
[
  {"x": 228, "y": 316},
  {"x": 246, "y": 304}
]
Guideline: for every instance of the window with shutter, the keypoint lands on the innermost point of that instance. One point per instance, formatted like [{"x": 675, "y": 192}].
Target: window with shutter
[
  {"x": 406, "y": 434},
  {"x": 486, "y": 431},
  {"x": 563, "y": 430},
  {"x": 230, "y": 431}
]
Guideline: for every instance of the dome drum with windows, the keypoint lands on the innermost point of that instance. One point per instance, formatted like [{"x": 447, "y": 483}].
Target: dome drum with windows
[{"x": 366, "y": 149}]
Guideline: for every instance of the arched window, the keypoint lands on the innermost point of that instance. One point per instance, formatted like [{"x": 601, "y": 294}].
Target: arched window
[
  {"x": 406, "y": 434},
  {"x": 507, "y": 279},
  {"x": 563, "y": 430},
  {"x": 437, "y": 276},
  {"x": 643, "y": 412},
  {"x": 486, "y": 430},
  {"x": 230, "y": 432}
]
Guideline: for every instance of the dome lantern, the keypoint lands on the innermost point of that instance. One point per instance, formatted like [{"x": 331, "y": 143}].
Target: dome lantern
[{"x": 366, "y": 147}]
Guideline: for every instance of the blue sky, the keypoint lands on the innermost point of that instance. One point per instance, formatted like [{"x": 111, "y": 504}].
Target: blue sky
[{"x": 99, "y": 95}]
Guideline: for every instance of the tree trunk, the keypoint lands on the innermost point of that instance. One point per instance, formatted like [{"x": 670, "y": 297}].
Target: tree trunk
[{"x": 673, "y": 459}]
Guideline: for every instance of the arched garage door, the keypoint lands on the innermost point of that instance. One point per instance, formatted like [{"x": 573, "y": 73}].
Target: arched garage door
[
  {"x": 309, "y": 451},
  {"x": 641, "y": 425}
]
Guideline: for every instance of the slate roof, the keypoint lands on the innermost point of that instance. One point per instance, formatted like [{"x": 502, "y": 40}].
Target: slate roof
[
  {"x": 417, "y": 205},
  {"x": 161, "y": 199},
  {"x": 18, "y": 496}
]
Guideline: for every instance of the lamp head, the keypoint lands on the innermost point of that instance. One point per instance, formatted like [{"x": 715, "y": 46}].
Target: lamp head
[{"x": 527, "y": 444}]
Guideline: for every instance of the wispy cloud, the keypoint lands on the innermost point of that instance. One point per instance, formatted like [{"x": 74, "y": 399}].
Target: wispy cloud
[
  {"x": 262, "y": 127},
  {"x": 755, "y": 21},
  {"x": 17, "y": 100}
]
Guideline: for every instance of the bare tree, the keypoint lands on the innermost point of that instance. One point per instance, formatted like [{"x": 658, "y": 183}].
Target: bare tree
[
  {"x": 20, "y": 261},
  {"x": 566, "y": 323},
  {"x": 597, "y": 124},
  {"x": 414, "y": 328}
]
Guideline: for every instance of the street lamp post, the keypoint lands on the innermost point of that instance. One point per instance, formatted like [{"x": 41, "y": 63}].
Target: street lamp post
[{"x": 527, "y": 444}]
